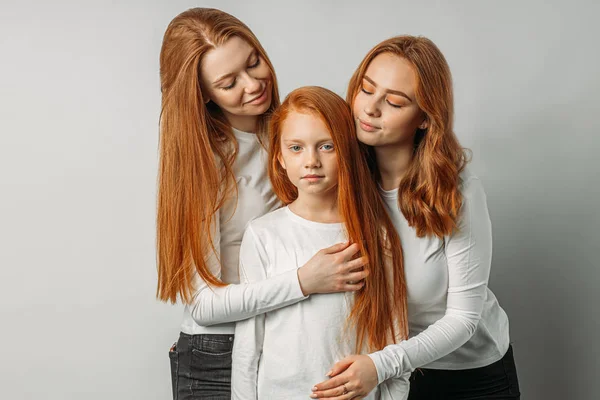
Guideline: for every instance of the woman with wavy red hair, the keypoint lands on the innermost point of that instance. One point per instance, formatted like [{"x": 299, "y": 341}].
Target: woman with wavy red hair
[
  {"x": 401, "y": 97},
  {"x": 317, "y": 170},
  {"x": 218, "y": 90}
]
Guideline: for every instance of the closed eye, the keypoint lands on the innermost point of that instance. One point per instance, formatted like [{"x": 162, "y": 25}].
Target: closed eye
[
  {"x": 230, "y": 86},
  {"x": 394, "y": 105},
  {"x": 256, "y": 64}
]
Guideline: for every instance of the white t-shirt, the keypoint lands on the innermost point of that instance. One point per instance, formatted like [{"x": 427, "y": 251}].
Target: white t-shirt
[
  {"x": 455, "y": 321},
  {"x": 223, "y": 305},
  {"x": 282, "y": 354}
]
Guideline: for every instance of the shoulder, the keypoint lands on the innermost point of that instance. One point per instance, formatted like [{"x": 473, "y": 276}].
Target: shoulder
[
  {"x": 268, "y": 222},
  {"x": 262, "y": 232},
  {"x": 474, "y": 210},
  {"x": 470, "y": 185}
]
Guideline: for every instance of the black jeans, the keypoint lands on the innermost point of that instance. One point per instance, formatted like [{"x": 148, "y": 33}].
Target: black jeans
[
  {"x": 497, "y": 381},
  {"x": 201, "y": 367}
]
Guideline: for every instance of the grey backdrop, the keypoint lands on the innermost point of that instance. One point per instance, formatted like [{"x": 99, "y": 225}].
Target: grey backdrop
[{"x": 79, "y": 108}]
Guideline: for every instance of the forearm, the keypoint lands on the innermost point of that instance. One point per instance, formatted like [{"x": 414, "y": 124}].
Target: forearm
[
  {"x": 231, "y": 303},
  {"x": 443, "y": 337}
]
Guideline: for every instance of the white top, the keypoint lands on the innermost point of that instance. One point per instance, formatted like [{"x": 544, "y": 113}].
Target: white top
[
  {"x": 282, "y": 354},
  {"x": 223, "y": 305},
  {"x": 454, "y": 319}
]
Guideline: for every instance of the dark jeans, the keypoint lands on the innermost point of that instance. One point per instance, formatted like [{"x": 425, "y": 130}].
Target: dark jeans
[
  {"x": 201, "y": 367},
  {"x": 497, "y": 381}
]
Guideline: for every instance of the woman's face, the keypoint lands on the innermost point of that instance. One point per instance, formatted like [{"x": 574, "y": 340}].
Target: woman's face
[
  {"x": 385, "y": 107},
  {"x": 238, "y": 80},
  {"x": 308, "y": 154}
]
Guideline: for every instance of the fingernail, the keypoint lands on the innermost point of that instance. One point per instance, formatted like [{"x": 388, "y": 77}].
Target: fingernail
[
  {"x": 329, "y": 373},
  {"x": 314, "y": 389},
  {"x": 314, "y": 396}
]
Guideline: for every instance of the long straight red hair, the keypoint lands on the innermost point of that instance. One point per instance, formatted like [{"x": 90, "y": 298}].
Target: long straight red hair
[
  {"x": 429, "y": 195},
  {"x": 192, "y": 184},
  {"x": 379, "y": 310}
]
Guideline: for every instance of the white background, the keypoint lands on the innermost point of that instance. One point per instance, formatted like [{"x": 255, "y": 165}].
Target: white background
[{"x": 79, "y": 106}]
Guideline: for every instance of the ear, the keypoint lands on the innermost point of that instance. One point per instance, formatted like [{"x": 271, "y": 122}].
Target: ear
[
  {"x": 425, "y": 123},
  {"x": 205, "y": 97},
  {"x": 204, "y": 94},
  {"x": 281, "y": 162}
]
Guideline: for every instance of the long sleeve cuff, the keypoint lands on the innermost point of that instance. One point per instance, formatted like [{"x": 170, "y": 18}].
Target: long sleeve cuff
[
  {"x": 294, "y": 288},
  {"x": 391, "y": 362}
]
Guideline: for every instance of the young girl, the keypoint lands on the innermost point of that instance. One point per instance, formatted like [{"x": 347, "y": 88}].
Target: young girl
[
  {"x": 318, "y": 171},
  {"x": 218, "y": 86},
  {"x": 401, "y": 96}
]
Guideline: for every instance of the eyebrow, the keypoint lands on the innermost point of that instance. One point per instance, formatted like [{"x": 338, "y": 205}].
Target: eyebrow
[
  {"x": 397, "y": 92},
  {"x": 288, "y": 141},
  {"x": 223, "y": 77}
]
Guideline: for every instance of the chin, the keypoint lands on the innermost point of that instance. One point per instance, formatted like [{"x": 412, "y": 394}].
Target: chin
[
  {"x": 261, "y": 110},
  {"x": 367, "y": 138},
  {"x": 267, "y": 104}
]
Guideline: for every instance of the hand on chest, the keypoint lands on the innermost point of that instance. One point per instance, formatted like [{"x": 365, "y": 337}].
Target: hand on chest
[{"x": 291, "y": 250}]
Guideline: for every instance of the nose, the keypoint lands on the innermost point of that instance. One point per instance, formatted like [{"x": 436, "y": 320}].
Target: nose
[
  {"x": 252, "y": 85},
  {"x": 372, "y": 109},
  {"x": 312, "y": 159}
]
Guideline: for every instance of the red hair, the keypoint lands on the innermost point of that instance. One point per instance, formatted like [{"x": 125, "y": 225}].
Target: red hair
[
  {"x": 192, "y": 184},
  {"x": 429, "y": 195},
  {"x": 379, "y": 310}
]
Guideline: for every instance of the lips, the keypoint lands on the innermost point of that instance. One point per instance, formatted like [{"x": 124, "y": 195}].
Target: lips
[
  {"x": 261, "y": 98},
  {"x": 312, "y": 176},
  {"x": 367, "y": 127}
]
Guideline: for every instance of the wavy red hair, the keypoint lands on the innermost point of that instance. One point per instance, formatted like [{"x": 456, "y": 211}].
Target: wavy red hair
[
  {"x": 379, "y": 310},
  {"x": 192, "y": 184},
  {"x": 429, "y": 198}
]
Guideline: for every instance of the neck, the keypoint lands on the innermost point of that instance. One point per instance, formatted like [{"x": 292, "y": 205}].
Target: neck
[
  {"x": 244, "y": 123},
  {"x": 392, "y": 163},
  {"x": 317, "y": 208}
]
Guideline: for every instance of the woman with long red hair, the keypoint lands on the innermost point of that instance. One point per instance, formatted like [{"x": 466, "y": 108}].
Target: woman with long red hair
[
  {"x": 402, "y": 100},
  {"x": 319, "y": 172},
  {"x": 218, "y": 90}
]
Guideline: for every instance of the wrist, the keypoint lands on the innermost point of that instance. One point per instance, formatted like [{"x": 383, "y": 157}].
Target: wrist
[
  {"x": 303, "y": 279},
  {"x": 375, "y": 360}
]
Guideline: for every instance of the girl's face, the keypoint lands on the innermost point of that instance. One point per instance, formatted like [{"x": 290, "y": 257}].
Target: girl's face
[
  {"x": 385, "y": 107},
  {"x": 308, "y": 154},
  {"x": 238, "y": 80}
]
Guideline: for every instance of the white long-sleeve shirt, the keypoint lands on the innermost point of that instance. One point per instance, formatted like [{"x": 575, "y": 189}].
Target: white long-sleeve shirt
[
  {"x": 455, "y": 321},
  {"x": 282, "y": 354},
  {"x": 219, "y": 307}
]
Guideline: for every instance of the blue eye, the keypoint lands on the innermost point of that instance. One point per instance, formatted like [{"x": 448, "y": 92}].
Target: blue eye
[
  {"x": 327, "y": 147},
  {"x": 295, "y": 148}
]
